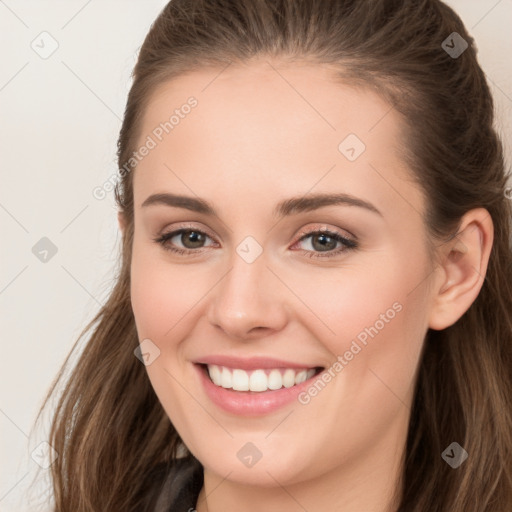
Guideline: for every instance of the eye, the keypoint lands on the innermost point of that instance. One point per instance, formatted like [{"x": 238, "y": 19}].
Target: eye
[
  {"x": 189, "y": 238},
  {"x": 325, "y": 241},
  {"x": 321, "y": 243}
]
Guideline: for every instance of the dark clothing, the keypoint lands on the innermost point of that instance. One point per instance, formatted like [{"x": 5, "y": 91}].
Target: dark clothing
[{"x": 175, "y": 487}]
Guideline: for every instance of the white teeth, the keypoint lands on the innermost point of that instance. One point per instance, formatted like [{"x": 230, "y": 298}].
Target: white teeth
[
  {"x": 216, "y": 375},
  {"x": 310, "y": 373},
  {"x": 289, "y": 378},
  {"x": 258, "y": 380},
  {"x": 226, "y": 378},
  {"x": 274, "y": 380},
  {"x": 240, "y": 380},
  {"x": 301, "y": 376}
]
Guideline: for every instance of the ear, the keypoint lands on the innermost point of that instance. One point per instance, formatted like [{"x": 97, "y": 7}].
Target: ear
[
  {"x": 462, "y": 269},
  {"x": 121, "y": 219}
]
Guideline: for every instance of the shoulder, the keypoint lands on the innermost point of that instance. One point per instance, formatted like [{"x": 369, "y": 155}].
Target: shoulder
[{"x": 175, "y": 486}]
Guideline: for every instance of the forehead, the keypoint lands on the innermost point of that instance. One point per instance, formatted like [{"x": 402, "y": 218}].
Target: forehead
[
  {"x": 266, "y": 122},
  {"x": 277, "y": 94}
]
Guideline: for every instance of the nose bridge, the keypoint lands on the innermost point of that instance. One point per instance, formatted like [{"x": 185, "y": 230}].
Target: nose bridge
[{"x": 247, "y": 300}]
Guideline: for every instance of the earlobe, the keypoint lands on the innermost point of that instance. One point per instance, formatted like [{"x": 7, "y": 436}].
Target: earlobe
[{"x": 465, "y": 260}]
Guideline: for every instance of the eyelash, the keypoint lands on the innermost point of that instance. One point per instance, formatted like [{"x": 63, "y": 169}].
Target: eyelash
[{"x": 347, "y": 243}]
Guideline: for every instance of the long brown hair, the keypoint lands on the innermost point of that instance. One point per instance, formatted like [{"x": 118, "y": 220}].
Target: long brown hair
[{"x": 109, "y": 428}]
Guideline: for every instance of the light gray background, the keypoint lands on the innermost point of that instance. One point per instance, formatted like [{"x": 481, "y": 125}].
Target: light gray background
[{"x": 60, "y": 118}]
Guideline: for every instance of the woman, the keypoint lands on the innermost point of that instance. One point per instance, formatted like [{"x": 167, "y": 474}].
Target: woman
[{"x": 314, "y": 305}]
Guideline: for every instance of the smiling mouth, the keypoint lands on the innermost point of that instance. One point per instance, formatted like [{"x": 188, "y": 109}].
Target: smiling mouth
[{"x": 259, "y": 380}]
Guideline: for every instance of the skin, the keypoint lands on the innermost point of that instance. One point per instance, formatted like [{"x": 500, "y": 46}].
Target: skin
[{"x": 261, "y": 133}]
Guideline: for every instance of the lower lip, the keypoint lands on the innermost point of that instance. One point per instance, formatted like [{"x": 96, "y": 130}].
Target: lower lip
[{"x": 250, "y": 403}]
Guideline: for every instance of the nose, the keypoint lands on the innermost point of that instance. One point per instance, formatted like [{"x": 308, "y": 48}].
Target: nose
[{"x": 248, "y": 302}]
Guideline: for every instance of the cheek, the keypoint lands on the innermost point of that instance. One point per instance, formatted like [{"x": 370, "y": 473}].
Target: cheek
[
  {"x": 358, "y": 302},
  {"x": 343, "y": 301},
  {"x": 165, "y": 299},
  {"x": 372, "y": 315},
  {"x": 333, "y": 309},
  {"x": 162, "y": 294},
  {"x": 371, "y": 318}
]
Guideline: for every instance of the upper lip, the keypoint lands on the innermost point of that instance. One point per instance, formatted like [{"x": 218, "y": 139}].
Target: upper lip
[{"x": 251, "y": 363}]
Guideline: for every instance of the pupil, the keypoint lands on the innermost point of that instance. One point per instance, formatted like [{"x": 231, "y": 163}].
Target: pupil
[
  {"x": 324, "y": 246},
  {"x": 195, "y": 239},
  {"x": 192, "y": 238}
]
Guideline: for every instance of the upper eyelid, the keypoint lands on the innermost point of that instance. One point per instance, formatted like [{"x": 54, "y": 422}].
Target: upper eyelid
[
  {"x": 186, "y": 227},
  {"x": 303, "y": 233},
  {"x": 335, "y": 231}
]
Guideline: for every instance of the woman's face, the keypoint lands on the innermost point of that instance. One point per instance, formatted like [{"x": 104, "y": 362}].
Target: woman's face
[{"x": 255, "y": 285}]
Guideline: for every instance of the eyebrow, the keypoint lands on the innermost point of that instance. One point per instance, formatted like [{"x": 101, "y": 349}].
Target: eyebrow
[{"x": 287, "y": 207}]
